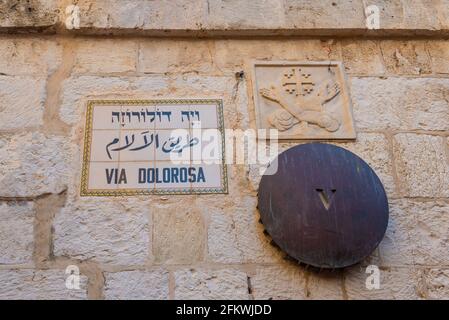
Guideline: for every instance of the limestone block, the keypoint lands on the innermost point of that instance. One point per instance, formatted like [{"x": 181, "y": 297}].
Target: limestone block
[
  {"x": 25, "y": 56},
  {"x": 395, "y": 283},
  {"x": 324, "y": 14},
  {"x": 279, "y": 282},
  {"x": 178, "y": 234},
  {"x": 76, "y": 91},
  {"x": 16, "y": 232},
  {"x": 400, "y": 103},
  {"x": 180, "y": 56},
  {"x": 406, "y": 57},
  {"x": 22, "y": 102},
  {"x": 31, "y": 13},
  {"x": 398, "y": 246},
  {"x": 224, "y": 284},
  {"x": 121, "y": 56},
  {"x": 235, "y": 235},
  {"x": 136, "y": 285},
  {"x": 439, "y": 53},
  {"x": 431, "y": 232},
  {"x": 434, "y": 284},
  {"x": 32, "y": 164},
  {"x": 39, "y": 285},
  {"x": 421, "y": 165},
  {"x": 362, "y": 57},
  {"x": 110, "y": 231}
]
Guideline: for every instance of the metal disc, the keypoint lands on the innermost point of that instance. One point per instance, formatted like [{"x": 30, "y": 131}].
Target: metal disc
[{"x": 324, "y": 206}]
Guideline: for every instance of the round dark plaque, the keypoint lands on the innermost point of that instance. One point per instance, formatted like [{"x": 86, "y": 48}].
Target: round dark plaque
[{"x": 324, "y": 206}]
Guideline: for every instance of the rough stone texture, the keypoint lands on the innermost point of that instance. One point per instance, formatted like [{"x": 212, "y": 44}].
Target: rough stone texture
[
  {"x": 180, "y": 56},
  {"x": 236, "y": 236},
  {"x": 434, "y": 284},
  {"x": 211, "y": 284},
  {"x": 395, "y": 283},
  {"x": 400, "y": 103},
  {"x": 16, "y": 232},
  {"x": 121, "y": 57},
  {"x": 136, "y": 285},
  {"x": 362, "y": 57},
  {"x": 178, "y": 236},
  {"x": 231, "y": 17},
  {"x": 431, "y": 232},
  {"x": 374, "y": 149},
  {"x": 77, "y": 89},
  {"x": 279, "y": 282},
  {"x": 24, "y": 56},
  {"x": 398, "y": 246},
  {"x": 233, "y": 55},
  {"x": 421, "y": 165},
  {"x": 114, "y": 232},
  {"x": 28, "y": 13},
  {"x": 21, "y": 102},
  {"x": 207, "y": 246},
  {"x": 39, "y": 285},
  {"x": 407, "y": 57},
  {"x": 439, "y": 51},
  {"x": 33, "y": 164}
]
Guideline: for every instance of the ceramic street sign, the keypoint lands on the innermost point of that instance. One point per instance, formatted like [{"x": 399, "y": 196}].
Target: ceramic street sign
[{"x": 137, "y": 147}]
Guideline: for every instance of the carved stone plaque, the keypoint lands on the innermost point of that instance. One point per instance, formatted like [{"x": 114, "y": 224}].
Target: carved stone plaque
[
  {"x": 138, "y": 147},
  {"x": 303, "y": 100}
]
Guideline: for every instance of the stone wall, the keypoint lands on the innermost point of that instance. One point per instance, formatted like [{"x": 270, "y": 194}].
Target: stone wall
[{"x": 211, "y": 246}]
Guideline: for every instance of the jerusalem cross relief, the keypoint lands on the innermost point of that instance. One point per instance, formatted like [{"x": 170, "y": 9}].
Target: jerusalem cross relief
[{"x": 303, "y": 100}]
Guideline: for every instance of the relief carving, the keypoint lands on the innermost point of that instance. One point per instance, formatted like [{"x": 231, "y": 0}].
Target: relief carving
[{"x": 303, "y": 101}]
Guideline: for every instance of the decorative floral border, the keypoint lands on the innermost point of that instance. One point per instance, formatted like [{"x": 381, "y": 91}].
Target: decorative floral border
[{"x": 137, "y": 192}]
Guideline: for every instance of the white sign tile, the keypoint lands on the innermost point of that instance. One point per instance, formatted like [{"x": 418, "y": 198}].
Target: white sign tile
[{"x": 137, "y": 147}]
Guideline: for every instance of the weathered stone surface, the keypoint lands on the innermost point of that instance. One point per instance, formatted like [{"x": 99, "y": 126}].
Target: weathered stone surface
[
  {"x": 433, "y": 284},
  {"x": 113, "y": 231},
  {"x": 439, "y": 52},
  {"x": 231, "y": 17},
  {"x": 16, "y": 232},
  {"x": 180, "y": 56},
  {"x": 211, "y": 284},
  {"x": 236, "y": 14},
  {"x": 374, "y": 149},
  {"x": 21, "y": 102},
  {"x": 234, "y": 55},
  {"x": 236, "y": 236},
  {"x": 406, "y": 57},
  {"x": 122, "y": 57},
  {"x": 286, "y": 281},
  {"x": 395, "y": 283},
  {"x": 39, "y": 285},
  {"x": 178, "y": 235},
  {"x": 76, "y": 90},
  {"x": 343, "y": 14},
  {"x": 421, "y": 165},
  {"x": 142, "y": 15},
  {"x": 24, "y": 56},
  {"x": 398, "y": 245},
  {"x": 324, "y": 285},
  {"x": 400, "y": 103},
  {"x": 391, "y": 13},
  {"x": 32, "y": 164},
  {"x": 31, "y": 13},
  {"x": 362, "y": 57},
  {"x": 431, "y": 232},
  {"x": 136, "y": 285}
]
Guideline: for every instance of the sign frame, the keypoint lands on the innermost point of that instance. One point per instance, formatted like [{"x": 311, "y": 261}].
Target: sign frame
[{"x": 84, "y": 189}]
